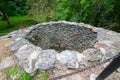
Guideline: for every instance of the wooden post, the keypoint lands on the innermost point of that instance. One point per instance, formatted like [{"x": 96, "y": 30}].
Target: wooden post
[{"x": 114, "y": 65}]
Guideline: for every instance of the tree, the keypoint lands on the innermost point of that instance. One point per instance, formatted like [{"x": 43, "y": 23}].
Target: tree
[
  {"x": 12, "y": 8},
  {"x": 42, "y": 9},
  {"x": 99, "y": 13},
  {"x": 3, "y": 13}
]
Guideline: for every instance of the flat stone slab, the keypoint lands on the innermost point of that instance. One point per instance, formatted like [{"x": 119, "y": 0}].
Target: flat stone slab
[{"x": 7, "y": 62}]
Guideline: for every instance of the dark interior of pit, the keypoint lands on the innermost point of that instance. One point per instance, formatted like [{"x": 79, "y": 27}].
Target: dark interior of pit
[{"x": 61, "y": 36}]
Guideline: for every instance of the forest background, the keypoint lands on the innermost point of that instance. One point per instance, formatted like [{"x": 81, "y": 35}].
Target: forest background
[{"x": 16, "y": 14}]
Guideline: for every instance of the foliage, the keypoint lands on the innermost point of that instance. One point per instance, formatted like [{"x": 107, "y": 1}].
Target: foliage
[
  {"x": 14, "y": 7},
  {"x": 14, "y": 72},
  {"x": 25, "y": 76},
  {"x": 95, "y": 12},
  {"x": 45, "y": 76},
  {"x": 42, "y": 9},
  {"x": 99, "y": 13}
]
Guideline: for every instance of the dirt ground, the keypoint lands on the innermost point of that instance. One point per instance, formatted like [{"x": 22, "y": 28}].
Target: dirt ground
[{"x": 3, "y": 48}]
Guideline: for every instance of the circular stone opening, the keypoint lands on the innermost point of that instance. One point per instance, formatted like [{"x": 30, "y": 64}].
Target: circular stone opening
[{"x": 62, "y": 36}]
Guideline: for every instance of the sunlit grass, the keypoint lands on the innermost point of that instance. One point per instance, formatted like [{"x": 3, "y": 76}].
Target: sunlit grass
[{"x": 17, "y": 22}]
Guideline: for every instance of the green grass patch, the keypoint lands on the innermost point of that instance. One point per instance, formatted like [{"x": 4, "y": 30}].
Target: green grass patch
[{"x": 17, "y": 22}]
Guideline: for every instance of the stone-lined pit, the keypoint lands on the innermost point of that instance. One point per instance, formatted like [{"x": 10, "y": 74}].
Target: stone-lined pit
[{"x": 62, "y": 36}]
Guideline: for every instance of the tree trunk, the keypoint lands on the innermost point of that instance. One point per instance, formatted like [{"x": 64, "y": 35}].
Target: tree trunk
[
  {"x": 0, "y": 13},
  {"x": 5, "y": 17}
]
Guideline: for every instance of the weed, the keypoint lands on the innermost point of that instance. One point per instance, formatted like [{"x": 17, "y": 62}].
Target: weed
[
  {"x": 14, "y": 73},
  {"x": 25, "y": 76},
  {"x": 45, "y": 76}
]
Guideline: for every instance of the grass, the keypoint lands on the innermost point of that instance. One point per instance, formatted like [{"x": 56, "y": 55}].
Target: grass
[{"x": 17, "y": 22}]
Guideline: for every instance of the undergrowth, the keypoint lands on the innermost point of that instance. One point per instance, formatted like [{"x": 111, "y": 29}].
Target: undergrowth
[{"x": 18, "y": 74}]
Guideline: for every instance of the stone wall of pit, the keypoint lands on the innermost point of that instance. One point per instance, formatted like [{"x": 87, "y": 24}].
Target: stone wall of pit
[{"x": 57, "y": 34}]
